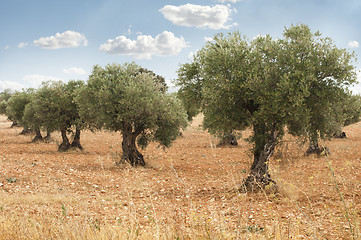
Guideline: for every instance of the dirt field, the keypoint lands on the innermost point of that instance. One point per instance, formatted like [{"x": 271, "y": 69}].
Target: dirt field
[{"x": 185, "y": 192}]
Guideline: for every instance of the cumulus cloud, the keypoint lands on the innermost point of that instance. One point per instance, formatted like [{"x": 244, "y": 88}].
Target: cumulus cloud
[
  {"x": 191, "y": 15},
  {"x": 74, "y": 71},
  {"x": 164, "y": 44},
  {"x": 23, "y": 44},
  {"x": 353, "y": 44},
  {"x": 68, "y": 39},
  {"x": 35, "y": 80},
  {"x": 11, "y": 85}
]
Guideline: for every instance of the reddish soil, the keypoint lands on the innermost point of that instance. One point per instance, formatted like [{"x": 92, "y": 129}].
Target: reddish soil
[{"x": 192, "y": 185}]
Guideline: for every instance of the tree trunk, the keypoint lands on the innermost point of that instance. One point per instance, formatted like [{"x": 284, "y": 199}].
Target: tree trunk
[
  {"x": 130, "y": 151},
  {"x": 228, "y": 139},
  {"x": 25, "y": 131},
  {"x": 314, "y": 148},
  {"x": 259, "y": 177},
  {"x": 47, "y": 138},
  {"x": 14, "y": 124},
  {"x": 76, "y": 141},
  {"x": 38, "y": 136},
  {"x": 65, "y": 145}
]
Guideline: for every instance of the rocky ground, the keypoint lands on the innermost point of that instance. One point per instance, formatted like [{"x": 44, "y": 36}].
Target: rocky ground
[{"x": 187, "y": 191}]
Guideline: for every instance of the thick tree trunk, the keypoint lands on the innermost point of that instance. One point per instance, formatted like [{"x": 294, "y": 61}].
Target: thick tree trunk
[
  {"x": 314, "y": 148},
  {"x": 38, "y": 136},
  {"x": 65, "y": 145},
  {"x": 130, "y": 151},
  {"x": 259, "y": 177},
  {"x": 228, "y": 139},
  {"x": 76, "y": 141}
]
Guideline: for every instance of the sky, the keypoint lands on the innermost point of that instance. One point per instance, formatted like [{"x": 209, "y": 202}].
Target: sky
[{"x": 44, "y": 40}]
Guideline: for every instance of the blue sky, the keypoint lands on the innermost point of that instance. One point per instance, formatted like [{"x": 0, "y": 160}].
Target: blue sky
[{"x": 48, "y": 40}]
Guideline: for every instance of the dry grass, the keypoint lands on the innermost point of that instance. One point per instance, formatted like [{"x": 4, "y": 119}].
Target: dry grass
[{"x": 185, "y": 192}]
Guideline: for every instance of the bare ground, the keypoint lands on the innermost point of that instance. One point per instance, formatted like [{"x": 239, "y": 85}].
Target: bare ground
[{"x": 188, "y": 191}]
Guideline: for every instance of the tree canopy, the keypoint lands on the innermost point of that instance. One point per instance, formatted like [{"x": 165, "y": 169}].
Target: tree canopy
[
  {"x": 16, "y": 105},
  {"x": 123, "y": 98}
]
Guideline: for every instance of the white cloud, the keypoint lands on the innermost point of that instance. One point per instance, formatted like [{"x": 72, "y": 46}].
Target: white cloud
[
  {"x": 208, "y": 39},
  {"x": 6, "y": 47},
  {"x": 35, "y": 80},
  {"x": 11, "y": 85},
  {"x": 66, "y": 39},
  {"x": 191, "y": 55},
  {"x": 23, "y": 44},
  {"x": 353, "y": 44},
  {"x": 198, "y": 16},
  {"x": 74, "y": 71},
  {"x": 164, "y": 44},
  {"x": 232, "y": 1}
]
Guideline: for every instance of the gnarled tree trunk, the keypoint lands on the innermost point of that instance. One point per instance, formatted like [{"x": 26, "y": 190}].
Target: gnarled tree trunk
[
  {"x": 38, "y": 136},
  {"x": 129, "y": 147},
  {"x": 76, "y": 141},
  {"x": 259, "y": 176},
  {"x": 65, "y": 145}
]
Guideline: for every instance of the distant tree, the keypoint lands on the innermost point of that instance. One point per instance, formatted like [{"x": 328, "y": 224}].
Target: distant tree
[
  {"x": 190, "y": 83},
  {"x": 190, "y": 92},
  {"x": 120, "y": 98},
  {"x": 266, "y": 84},
  {"x": 352, "y": 109},
  {"x": 32, "y": 121},
  {"x": 16, "y": 106},
  {"x": 329, "y": 71},
  {"x": 56, "y": 109},
  {"x": 4, "y": 97}
]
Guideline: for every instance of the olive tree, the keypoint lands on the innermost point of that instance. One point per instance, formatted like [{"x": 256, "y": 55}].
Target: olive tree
[
  {"x": 124, "y": 99},
  {"x": 4, "y": 97},
  {"x": 16, "y": 105},
  {"x": 266, "y": 84},
  {"x": 55, "y": 108},
  {"x": 329, "y": 71}
]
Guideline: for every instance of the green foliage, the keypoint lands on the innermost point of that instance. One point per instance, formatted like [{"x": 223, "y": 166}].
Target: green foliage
[
  {"x": 30, "y": 118},
  {"x": 296, "y": 82},
  {"x": 325, "y": 72},
  {"x": 352, "y": 109},
  {"x": 119, "y": 96},
  {"x": 16, "y": 105},
  {"x": 4, "y": 97},
  {"x": 54, "y": 106},
  {"x": 190, "y": 91}
]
